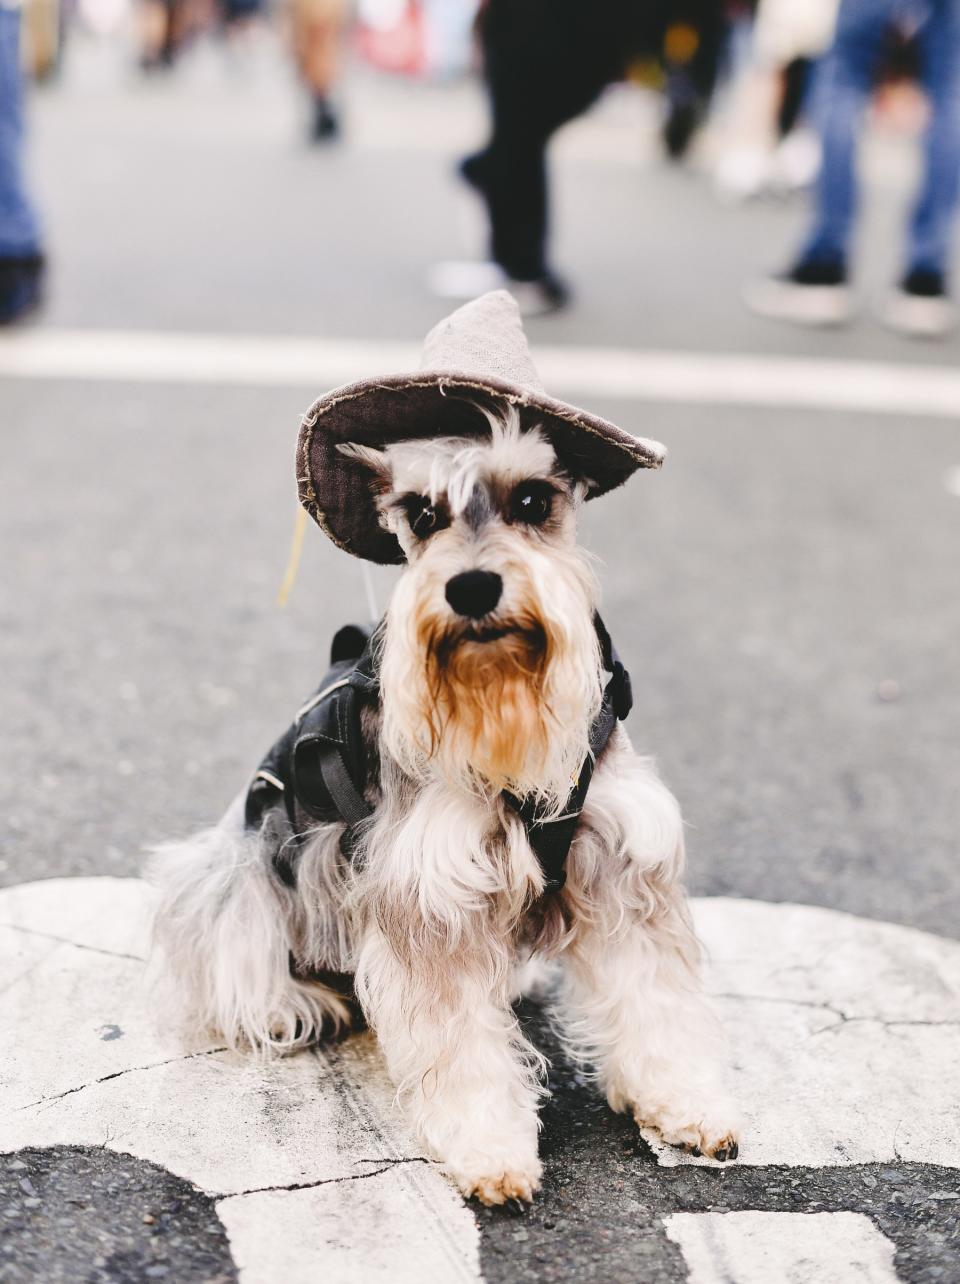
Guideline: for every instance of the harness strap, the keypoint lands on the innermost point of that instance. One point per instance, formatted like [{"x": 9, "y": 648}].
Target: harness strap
[
  {"x": 350, "y": 803},
  {"x": 551, "y": 839}
]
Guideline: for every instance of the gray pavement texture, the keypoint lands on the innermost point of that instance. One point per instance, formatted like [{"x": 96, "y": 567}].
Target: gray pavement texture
[
  {"x": 762, "y": 588},
  {"x": 71, "y": 1214},
  {"x": 611, "y": 1230},
  {"x": 781, "y": 580}
]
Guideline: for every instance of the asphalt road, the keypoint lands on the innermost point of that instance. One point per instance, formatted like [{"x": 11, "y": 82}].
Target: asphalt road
[{"x": 785, "y": 592}]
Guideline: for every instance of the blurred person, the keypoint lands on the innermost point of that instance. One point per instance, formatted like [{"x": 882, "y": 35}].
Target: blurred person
[
  {"x": 815, "y": 290},
  {"x": 42, "y": 37},
  {"x": 692, "y": 50},
  {"x": 766, "y": 145},
  {"x": 21, "y": 256},
  {"x": 166, "y": 26},
  {"x": 240, "y": 20},
  {"x": 317, "y": 32},
  {"x": 545, "y": 63},
  {"x": 157, "y": 34}
]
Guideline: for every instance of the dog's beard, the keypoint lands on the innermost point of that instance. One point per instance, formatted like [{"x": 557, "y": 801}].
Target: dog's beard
[
  {"x": 487, "y": 700},
  {"x": 504, "y": 706}
]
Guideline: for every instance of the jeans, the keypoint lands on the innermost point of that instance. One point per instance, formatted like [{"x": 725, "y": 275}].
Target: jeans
[
  {"x": 845, "y": 79},
  {"x": 19, "y": 230}
]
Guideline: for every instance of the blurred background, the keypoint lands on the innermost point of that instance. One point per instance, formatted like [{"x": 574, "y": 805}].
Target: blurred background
[{"x": 213, "y": 210}]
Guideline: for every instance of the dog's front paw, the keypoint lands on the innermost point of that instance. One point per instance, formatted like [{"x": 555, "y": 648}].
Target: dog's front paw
[
  {"x": 702, "y": 1129},
  {"x": 494, "y": 1185}
]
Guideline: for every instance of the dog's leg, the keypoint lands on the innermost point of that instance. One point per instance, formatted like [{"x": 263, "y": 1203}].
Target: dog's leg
[
  {"x": 224, "y": 930},
  {"x": 632, "y": 1001},
  {"x": 457, "y": 1056}
]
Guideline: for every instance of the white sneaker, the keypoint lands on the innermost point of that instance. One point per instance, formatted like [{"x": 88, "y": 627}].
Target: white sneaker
[
  {"x": 804, "y": 296},
  {"x": 919, "y": 307},
  {"x": 467, "y": 279}
]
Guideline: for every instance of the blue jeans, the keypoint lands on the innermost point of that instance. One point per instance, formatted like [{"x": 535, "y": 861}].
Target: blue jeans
[
  {"x": 845, "y": 80},
  {"x": 19, "y": 230}
]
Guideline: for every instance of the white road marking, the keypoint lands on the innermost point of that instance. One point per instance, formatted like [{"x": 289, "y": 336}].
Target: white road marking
[
  {"x": 789, "y": 1248},
  {"x": 951, "y": 481},
  {"x": 845, "y": 1035},
  {"x": 393, "y": 1226},
  {"x": 226, "y": 1123},
  {"x": 641, "y": 375}
]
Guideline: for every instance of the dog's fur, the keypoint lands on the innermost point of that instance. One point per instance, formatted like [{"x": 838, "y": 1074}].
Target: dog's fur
[{"x": 439, "y": 913}]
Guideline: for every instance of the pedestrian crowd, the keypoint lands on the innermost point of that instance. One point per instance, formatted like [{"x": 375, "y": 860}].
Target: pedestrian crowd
[{"x": 781, "y": 89}]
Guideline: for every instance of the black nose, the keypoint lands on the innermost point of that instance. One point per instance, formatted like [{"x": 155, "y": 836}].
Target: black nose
[{"x": 474, "y": 593}]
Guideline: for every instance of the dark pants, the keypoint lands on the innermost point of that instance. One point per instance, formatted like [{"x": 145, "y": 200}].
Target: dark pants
[{"x": 545, "y": 62}]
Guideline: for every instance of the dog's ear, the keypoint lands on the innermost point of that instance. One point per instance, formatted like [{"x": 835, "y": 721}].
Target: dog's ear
[
  {"x": 371, "y": 458},
  {"x": 375, "y": 463}
]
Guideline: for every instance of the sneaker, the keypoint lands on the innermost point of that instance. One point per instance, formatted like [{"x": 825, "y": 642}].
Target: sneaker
[
  {"x": 541, "y": 297},
  {"x": 920, "y": 307},
  {"x": 21, "y": 287},
  {"x": 466, "y": 279},
  {"x": 810, "y": 294}
]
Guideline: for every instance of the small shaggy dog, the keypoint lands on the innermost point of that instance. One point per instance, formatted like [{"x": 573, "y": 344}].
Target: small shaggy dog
[{"x": 460, "y": 803}]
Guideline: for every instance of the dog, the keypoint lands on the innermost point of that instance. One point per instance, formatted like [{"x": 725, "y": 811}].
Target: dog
[{"x": 439, "y": 901}]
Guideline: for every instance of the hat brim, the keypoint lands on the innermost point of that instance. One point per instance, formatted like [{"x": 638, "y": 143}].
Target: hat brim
[{"x": 336, "y": 490}]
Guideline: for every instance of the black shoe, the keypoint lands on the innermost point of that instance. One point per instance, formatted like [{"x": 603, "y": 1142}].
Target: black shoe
[
  {"x": 679, "y": 128},
  {"x": 814, "y": 292},
  {"x": 472, "y": 170},
  {"x": 325, "y": 126},
  {"x": 21, "y": 287},
  {"x": 920, "y": 307},
  {"x": 924, "y": 284}
]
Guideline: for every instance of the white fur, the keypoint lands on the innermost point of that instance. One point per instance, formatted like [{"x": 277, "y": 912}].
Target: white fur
[{"x": 437, "y": 915}]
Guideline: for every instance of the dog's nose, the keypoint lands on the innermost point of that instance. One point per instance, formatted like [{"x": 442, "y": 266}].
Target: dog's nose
[{"x": 474, "y": 593}]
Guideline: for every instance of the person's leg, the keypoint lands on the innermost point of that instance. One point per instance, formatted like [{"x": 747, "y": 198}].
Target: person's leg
[
  {"x": 20, "y": 255},
  {"x": 19, "y": 229},
  {"x": 796, "y": 82},
  {"x": 843, "y": 86},
  {"x": 921, "y": 305},
  {"x": 814, "y": 291},
  {"x": 317, "y": 28},
  {"x": 935, "y": 211},
  {"x": 318, "y": 44},
  {"x": 539, "y": 76},
  {"x": 527, "y": 111},
  {"x": 513, "y": 176}
]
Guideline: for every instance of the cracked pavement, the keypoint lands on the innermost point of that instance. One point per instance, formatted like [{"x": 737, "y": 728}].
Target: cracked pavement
[{"x": 306, "y": 1160}]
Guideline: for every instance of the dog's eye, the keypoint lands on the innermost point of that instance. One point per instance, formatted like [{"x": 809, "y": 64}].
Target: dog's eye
[
  {"x": 532, "y": 502},
  {"x": 424, "y": 517}
]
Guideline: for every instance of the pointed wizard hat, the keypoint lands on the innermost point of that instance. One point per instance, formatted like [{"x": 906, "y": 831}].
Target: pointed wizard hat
[{"x": 477, "y": 353}]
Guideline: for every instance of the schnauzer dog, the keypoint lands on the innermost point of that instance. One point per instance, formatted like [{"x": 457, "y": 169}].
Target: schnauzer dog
[{"x": 458, "y": 804}]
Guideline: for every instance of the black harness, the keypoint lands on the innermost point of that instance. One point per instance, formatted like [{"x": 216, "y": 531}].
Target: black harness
[{"x": 318, "y": 770}]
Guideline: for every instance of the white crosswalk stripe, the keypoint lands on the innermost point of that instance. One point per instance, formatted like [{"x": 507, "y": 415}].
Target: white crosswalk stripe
[{"x": 577, "y": 371}]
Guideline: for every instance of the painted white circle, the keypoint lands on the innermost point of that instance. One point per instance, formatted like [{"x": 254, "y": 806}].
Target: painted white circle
[{"x": 844, "y": 1038}]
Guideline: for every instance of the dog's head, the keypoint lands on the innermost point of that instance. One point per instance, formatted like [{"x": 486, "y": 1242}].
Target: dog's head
[{"x": 491, "y": 668}]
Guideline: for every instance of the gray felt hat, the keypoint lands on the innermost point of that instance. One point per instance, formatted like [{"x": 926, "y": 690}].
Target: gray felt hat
[{"x": 478, "y": 352}]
